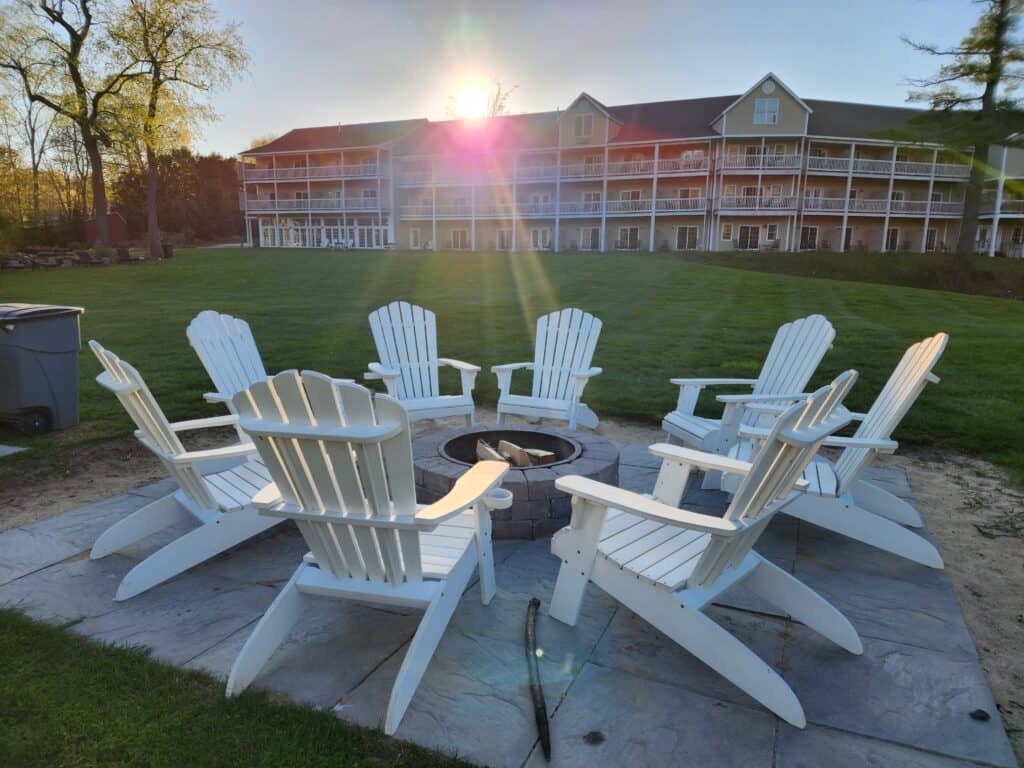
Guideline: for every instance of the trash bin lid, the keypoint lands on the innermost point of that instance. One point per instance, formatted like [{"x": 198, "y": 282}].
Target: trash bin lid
[{"x": 13, "y": 313}]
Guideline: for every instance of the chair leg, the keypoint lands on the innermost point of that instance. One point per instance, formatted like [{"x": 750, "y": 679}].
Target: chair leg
[
  {"x": 484, "y": 552},
  {"x": 804, "y": 604},
  {"x": 721, "y": 651},
  {"x": 840, "y": 515},
  {"x": 195, "y": 547},
  {"x": 880, "y": 502},
  {"x": 424, "y": 642},
  {"x": 155, "y": 516},
  {"x": 269, "y": 633}
]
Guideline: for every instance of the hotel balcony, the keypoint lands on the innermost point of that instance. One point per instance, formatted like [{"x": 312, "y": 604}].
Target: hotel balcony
[
  {"x": 756, "y": 203},
  {"x": 880, "y": 206},
  {"x": 568, "y": 209},
  {"x": 876, "y": 167},
  {"x": 314, "y": 172},
  {"x": 761, "y": 163},
  {"x": 317, "y": 204}
]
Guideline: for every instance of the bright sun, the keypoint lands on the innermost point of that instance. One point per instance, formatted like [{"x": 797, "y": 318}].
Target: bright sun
[{"x": 471, "y": 103}]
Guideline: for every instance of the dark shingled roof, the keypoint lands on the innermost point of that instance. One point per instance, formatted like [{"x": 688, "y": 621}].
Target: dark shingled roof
[
  {"x": 339, "y": 136},
  {"x": 652, "y": 121},
  {"x": 854, "y": 121}
]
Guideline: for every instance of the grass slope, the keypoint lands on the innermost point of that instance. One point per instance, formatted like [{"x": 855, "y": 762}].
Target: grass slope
[
  {"x": 70, "y": 702},
  {"x": 663, "y": 317}
]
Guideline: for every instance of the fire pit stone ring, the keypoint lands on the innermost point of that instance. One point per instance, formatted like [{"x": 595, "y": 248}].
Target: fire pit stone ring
[{"x": 530, "y": 506}]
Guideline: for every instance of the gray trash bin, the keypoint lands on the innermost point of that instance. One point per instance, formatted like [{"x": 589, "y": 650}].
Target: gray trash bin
[{"x": 39, "y": 346}]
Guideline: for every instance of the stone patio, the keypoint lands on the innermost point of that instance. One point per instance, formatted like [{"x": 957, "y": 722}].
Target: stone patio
[{"x": 618, "y": 692}]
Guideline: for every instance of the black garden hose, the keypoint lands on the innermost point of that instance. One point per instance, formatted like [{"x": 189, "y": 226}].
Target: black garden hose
[{"x": 540, "y": 711}]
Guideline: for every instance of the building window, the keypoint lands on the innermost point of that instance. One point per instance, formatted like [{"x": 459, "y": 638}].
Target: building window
[
  {"x": 848, "y": 240},
  {"x": 983, "y": 237},
  {"x": 590, "y": 238},
  {"x": 773, "y": 233},
  {"x": 540, "y": 238},
  {"x": 629, "y": 239},
  {"x": 592, "y": 197},
  {"x": 414, "y": 239},
  {"x": 931, "y": 237},
  {"x": 460, "y": 239},
  {"x": 808, "y": 238},
  {"x": 853, "y": 194},
  {"x": 892, "y": 239},
  {"x": 1017, "y": 238},
  {"x": 727, "y": 231},
  {"x": 686, "y": 238},
  {"x": 730, "y": 190},
  {"x": 629, "y": 194},
  {"x": 689, "y": 193},
  {"x": 504, "y": 239},
  {"x": 766, "y": 111},
  {"x": 936, "y": 197},
  {"x": 369, "y": 194},
  {"x": 302, "y": 195},
  {"x": 750, "y": 237},
  {"x": 898, "y": 195},
  {"x": 583, "y": 127}
]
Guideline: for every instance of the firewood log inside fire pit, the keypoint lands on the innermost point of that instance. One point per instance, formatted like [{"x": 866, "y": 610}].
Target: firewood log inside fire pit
[{"x": 514, "y": 454}]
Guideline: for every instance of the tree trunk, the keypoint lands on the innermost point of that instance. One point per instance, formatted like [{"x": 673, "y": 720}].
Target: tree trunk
[
  {"x": 152, "y": 221},
  {"x": 99, "y": 190},
  {"x": 36, "y": 219},
  {"x": 972, "y": 207}
]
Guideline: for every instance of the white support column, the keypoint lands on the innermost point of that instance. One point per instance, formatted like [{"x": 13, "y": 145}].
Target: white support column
[
  {"x": 654, "y": 197},
  {"x": 344, "y": 201},
  {"x": 843, "y": 245},
  {"x": 380, "y": 214},
  {"x": 392, "y": 206},
  {"x": 993, "y": 233},
  {"x": 277, "y": 215},
  {"x": 433, "y": 202},
  {"x": 928, "y": 207},
  {"x": 888, "y": 201},
  {"x": 515, "y": 201},
  {"x": 309, "y": 207},
  {"x": 710, "y": 190},
  {"x": 558, "y": 198},
  {"x": 472, "y": 211},
  {"x": 604, "y": 194},
  {"x": 797, "y": 188}
]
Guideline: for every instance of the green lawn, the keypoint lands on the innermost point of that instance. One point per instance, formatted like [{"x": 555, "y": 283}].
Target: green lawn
[
  {"x": 70, "y": 702},
  {"x": 663, "y": 316}
]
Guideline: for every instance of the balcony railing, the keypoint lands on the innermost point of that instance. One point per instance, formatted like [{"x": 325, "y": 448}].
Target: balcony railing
[
  {"x": 536, "y": 172},
  {"x": 880, "y": 206},
  {"x": 631, "y": 168},
  {"x": 355, "y": 171},
  {"x": 583, "y": 171},
  {"x": 878, "y": 167},
  {"x": 317, "y": 204},
  {"x": 683, "y": 165},
  {"x": 580, "y": 208},
  {"x": 988, "y": 206},
  {"x": 761, "y": 162},
  {"x": 757, "y": 203}
]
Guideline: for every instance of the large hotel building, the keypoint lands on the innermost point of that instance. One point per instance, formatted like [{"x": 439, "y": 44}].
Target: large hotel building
[{"x": 765, "y": 170}]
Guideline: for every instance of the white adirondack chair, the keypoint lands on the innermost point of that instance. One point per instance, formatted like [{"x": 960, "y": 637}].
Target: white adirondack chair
[
  {"x": 343, "y": 471},
  {"x": 227, "y": 351},
  {"x": 836, "y": 496},
  {"x": 221, "y": 501},
  {"x": 665, "y": 563},
  {"x": 406, "y": 339},
  {"x": 795, "y": 353},
  {"x": 563, "y": 351}
]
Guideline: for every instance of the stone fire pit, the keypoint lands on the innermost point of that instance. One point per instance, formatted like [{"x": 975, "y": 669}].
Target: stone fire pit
[{"x": 538, "y": 508}]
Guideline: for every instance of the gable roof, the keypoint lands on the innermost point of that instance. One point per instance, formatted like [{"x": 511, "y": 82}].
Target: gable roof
[
  {"x": 584, "y": 96},
  {"x": 751, "y": 89},
  {"x": 338, "y": 136}
]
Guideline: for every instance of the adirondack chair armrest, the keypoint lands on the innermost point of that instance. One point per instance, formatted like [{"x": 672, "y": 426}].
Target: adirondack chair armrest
[
  {"x": 881, "y": 446},
  {"x": 217, "y": 397},
  {"x": 504, "y": 374},
  {"x": 390, "y": 376},
  {"x": 238, "y": 450},
  {"x": 777, "y": 398},
  {"x": 587, "y": 374},
  {"x": 644, "y": 506},
  {"x": 468, "y": 489},
  {"x": 690, "y": 389},
  {"x": 208, "y": 423},
  {"x": 467, "y": 372},
  {"x": 712, "y": 462}
]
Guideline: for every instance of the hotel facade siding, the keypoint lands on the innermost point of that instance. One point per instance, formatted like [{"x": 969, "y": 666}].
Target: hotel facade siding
[{"x": 765, "y": 170}]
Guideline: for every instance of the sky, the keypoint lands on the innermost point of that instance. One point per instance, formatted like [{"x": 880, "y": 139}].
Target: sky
[{"x": 323, "y": 62}]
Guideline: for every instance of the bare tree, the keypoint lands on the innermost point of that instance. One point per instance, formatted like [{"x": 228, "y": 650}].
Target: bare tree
[
  {"x": 967, "y": 109},
  {"x": 57, "y": 51}
]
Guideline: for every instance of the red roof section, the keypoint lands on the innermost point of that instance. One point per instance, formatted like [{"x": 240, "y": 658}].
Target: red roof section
[{"x": 339, "y": 136}]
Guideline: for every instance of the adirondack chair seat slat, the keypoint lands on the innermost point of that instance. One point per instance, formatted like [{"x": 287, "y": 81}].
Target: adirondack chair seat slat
[{"x": 697, "y": 428}]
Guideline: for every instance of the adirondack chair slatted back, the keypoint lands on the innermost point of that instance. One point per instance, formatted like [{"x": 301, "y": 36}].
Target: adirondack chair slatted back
[
  {"x": 905, "y": 384},
  {"x": 227, "y": 350},
  {"x": 335, "y": 451},
  {"x": 565, "y": 342},
  {"x": 154, "y": 430},
  {"x": 406, "y": 339},
  {"x": 795, "y": 353},
  {"x": 795, "y": 438}
]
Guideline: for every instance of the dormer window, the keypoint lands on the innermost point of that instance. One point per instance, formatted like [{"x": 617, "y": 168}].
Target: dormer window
[
  {"x": 583, "y": 126},
  {"x": 766, "y": 111}
]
